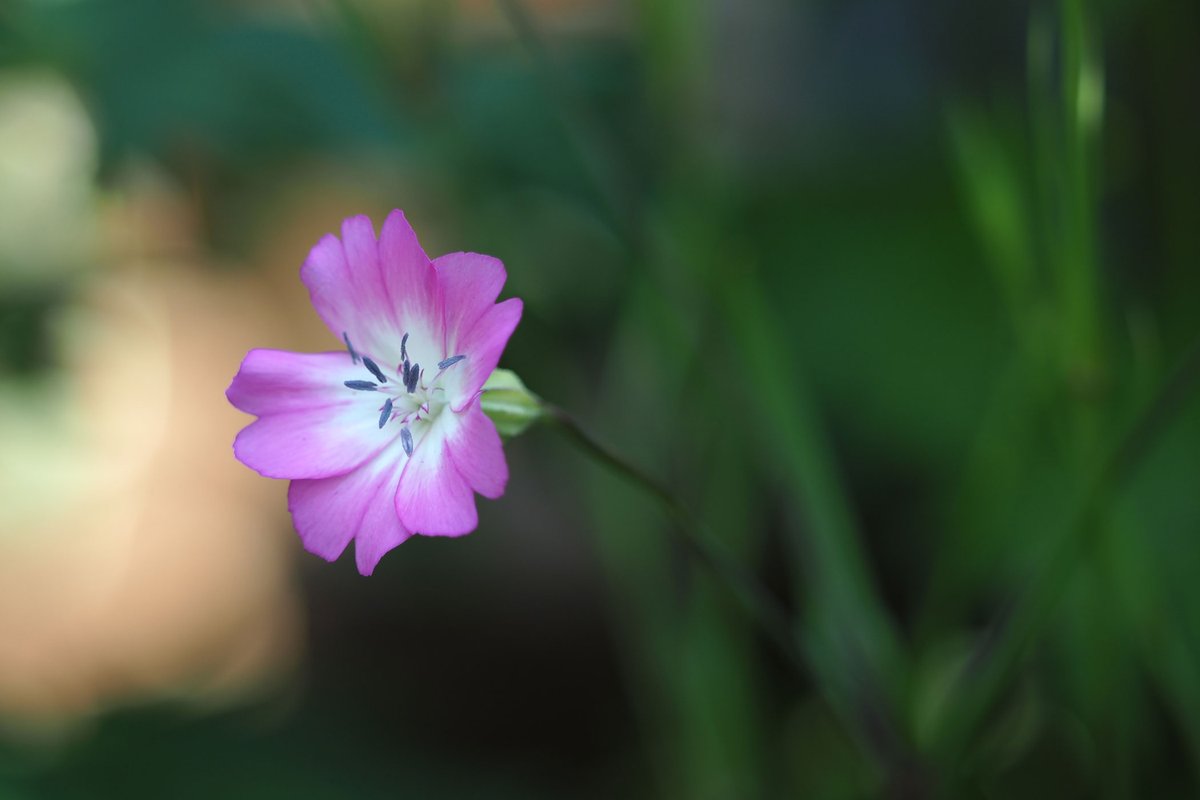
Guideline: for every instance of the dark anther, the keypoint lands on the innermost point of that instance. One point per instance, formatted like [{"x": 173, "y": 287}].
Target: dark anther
[
  {"x": 404, "y": 348},
  {"x": 371, "y": 365},
  {"x": 361, "y": 386},
  {"x": 386, "y": 414},
  {"x": 414, "y": 374},
  {"x": 350, "y": 347},
  {"x": 406, "y": 440},
  {"x": 450, "y": 362}
]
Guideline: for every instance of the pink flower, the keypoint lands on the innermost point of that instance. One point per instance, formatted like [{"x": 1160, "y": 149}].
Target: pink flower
[{"x": 387, "y": 439}]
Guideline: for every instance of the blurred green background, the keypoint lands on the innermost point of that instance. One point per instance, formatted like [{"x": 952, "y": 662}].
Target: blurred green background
[{"x": 897, "y": 297}]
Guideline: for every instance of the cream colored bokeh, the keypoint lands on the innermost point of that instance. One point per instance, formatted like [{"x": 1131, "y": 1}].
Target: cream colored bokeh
[
  {"x": 138, "y": 558},
  {"x": 47, "y": 162}
]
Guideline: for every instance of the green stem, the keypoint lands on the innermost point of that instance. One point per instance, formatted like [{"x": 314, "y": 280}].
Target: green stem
[
  {"x": 689, "y": 531},
  {"x": 1077, "y": 203},
  {"x": 871, "y": 715},
  {"x": 847, "y": 640}
]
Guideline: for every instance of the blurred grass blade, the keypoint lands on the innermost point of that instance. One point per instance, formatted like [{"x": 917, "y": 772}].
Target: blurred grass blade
[
  {"x": 1014, "y": 634},
  {"x": 990, "y": 176},
  {"x": 847, "y": 635}
]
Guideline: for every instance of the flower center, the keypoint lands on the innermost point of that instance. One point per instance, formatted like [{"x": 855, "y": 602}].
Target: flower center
[{"x": 410, "y": 396}]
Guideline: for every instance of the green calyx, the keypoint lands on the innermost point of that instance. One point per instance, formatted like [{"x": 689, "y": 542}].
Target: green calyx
[{"x": 510, "y": 405}]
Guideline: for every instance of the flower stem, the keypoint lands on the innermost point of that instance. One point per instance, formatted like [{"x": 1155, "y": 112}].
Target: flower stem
[{"x": 690, "y": 532}]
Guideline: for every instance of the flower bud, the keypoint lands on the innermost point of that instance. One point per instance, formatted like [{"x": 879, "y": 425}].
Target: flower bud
[{"x": 511, "y": 406}]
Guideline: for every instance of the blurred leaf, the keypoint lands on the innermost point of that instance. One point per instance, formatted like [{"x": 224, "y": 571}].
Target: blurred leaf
[
  {"x": 991, "y": 178},
  {"x": 185, "y": 80}
]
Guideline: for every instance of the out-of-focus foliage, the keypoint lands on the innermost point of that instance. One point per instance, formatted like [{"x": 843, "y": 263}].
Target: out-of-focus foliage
[{"x": 880, "y": 290}]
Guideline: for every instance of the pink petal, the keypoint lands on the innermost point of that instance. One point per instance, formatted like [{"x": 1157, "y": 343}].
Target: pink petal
[
  {"x": 375, "y": 541},
  {"x": 347, "y": 290},
  {"x": 362, "y": 251},
  {"x": 470, "y": 284},
  {"x": 329, "y": 513},
  {"x": 412, "y": 284},
  {"x": 327, "y": 276},
  {"x": 310, "y": 425},
  {"x": 477, "y": 453},
  {"x": 433, "y": 497},
  {"x": 324, "y": 518},
  {"x": 376, "y": 291},
  {"x": 482, "y": 345}
]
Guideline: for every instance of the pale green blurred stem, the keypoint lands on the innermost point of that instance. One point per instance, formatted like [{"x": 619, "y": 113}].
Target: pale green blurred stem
[
  {"x": 847, "y": 635},
  {"x": 1065, "y": 142},
  {"x": 792, "y": 419},
  {"x": 1082, "y": 96},
  {"x": 832, "y": 565}
]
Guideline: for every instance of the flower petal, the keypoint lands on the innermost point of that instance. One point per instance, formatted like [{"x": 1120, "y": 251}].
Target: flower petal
[
  {"x": 477, "y": 453},
  {"x": 374, "y": 541},
  {"x": 347, "y": 289},
  {"x": 433, "y": 497},
  {"x": 310, "y": 425},
  {"x": 327, "y": 276},
  {"x": 376, "y": 291},
  {"x": 411, "y": 282},
  {"x": 328, "y": 513},
  {"x": 482, "y": 345},
  {"x": 470, "y": 284}
]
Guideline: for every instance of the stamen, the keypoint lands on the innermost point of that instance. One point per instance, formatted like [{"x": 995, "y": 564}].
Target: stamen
[
  {"x": 361, "y": 386},
  {"x": 371, "y": 365},
  {"x": 406, "y": 440},
  {"x": 414, "y": 374},
  {"x": 450, "y": 362},
  {"x": 349, "y": 347},
  {"x": 404, "y": 348},
  {"x": 386, "y": 413}
]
